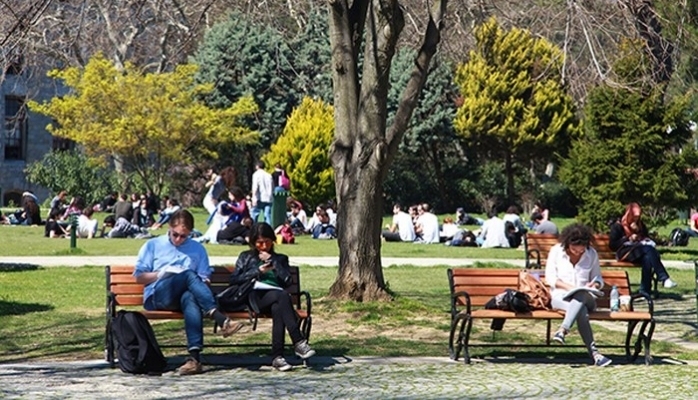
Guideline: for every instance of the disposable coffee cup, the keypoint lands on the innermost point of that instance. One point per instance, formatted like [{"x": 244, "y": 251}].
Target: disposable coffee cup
[{"x": 625, "y": 303}]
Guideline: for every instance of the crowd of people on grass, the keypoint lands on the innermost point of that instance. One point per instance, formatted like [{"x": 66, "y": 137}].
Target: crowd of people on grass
[{"x": 420, "y": 225}]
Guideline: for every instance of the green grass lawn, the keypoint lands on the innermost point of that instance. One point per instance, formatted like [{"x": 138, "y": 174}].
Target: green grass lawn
[
  {"x": 30, "y": 241},
  {"x": 58, "y": 313}
]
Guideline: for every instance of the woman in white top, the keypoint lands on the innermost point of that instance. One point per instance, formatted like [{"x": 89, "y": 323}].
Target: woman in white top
[{"x": 573, "y": 263}]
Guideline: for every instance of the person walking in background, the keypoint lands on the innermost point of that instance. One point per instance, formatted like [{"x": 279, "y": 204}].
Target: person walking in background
[
  {"x": 262, "y": 192},
  {"x": 282, "y": 183},
  {"x": 175, "y": 271},
  {"x": 630, "y": 240},
  {"x": 217, "y": 185},
  {"x": 573, "y": 263},
  {"x": 272, "y": 273}
]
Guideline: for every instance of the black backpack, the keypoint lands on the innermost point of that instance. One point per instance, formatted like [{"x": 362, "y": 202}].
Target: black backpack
[
  {"x": 678, "y": 237},
  {"x": 136, "y": 346}
]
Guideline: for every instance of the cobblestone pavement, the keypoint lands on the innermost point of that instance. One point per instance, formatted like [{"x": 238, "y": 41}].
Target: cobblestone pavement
[{"x": 361, "y": 378}]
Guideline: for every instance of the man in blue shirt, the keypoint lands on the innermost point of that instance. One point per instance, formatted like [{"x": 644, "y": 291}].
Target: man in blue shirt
[{"x": 175, "y": 271}]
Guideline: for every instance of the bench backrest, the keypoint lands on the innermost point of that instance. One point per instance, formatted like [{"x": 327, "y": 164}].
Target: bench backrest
[
  {"x": 122, "y": 284},
  {"x": 484, "y": 283},
  {"x": 601, "y": 244},
  {"x": 544, "y": 242}
]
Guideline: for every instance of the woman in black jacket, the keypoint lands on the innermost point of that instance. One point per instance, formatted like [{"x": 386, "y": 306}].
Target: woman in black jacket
[
  {"x": 629, "y": 238},
  {"x": 272, "y": 275}
]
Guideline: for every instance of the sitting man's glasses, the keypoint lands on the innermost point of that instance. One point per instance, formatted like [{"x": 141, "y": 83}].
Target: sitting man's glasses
[{"x": 176, "y": 235}]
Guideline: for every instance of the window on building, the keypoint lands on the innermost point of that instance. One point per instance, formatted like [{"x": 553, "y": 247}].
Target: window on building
[
  {"x": 15, "y": 128},
  {"x": 62, "y": 144}
]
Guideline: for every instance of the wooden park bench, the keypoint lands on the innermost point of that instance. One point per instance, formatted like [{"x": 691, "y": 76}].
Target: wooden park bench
[
  {"x": 124, "y": 293},
  {"x": 471, "y": 288},
  {"x": 537, "y": 246}
]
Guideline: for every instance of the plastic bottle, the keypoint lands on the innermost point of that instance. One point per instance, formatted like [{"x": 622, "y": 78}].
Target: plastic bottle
[{"x": 615, "y": 299}]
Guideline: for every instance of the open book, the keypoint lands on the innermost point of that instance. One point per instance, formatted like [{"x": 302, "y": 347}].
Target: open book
[
  {"x": 170, "y": 270},
  {"x": 594, "y": 292},
  {"x": 265, "y": 286}
]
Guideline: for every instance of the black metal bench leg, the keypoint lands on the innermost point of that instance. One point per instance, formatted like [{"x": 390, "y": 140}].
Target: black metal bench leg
[
  {"x": 628, "y": 339},
  {"x": 640, "y": 342},
  {"x": 466, "y": 340},
  {"x": 648, "y": 340},
  {"x": 455, "y": 345}
]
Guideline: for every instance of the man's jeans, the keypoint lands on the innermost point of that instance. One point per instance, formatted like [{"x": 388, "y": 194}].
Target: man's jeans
[
  {"x": 184, "y": 292},
  {"x": 256, "y": 210}
]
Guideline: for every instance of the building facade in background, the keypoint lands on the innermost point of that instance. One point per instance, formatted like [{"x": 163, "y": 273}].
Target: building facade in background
[{"x": 24, "y": 137}]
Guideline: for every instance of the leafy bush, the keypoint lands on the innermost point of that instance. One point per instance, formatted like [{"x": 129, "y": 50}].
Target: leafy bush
[
  {"x": 303, "y": 150},
  {"x": 74, "y": 172}
]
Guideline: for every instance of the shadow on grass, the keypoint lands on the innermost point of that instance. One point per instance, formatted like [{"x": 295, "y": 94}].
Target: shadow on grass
[
  {"x": 18, "y": 267},
  {"x": 16, "y": 308}
]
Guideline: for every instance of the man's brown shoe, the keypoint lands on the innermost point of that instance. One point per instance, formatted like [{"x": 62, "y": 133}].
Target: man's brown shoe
[
  {"x": 229, "y": 327},
  {"x": 190, "y": 367}
]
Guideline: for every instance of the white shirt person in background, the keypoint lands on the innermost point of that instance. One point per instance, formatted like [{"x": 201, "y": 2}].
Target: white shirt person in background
[
  {"x": 427, "y": 226},
  {"x": 402, "y": 228},
  {"x": 493, "y": 232},
  {"x": 262, "y": 193}
]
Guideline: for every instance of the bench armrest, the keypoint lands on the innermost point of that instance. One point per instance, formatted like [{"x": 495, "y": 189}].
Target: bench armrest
[
  {"x": 308, "y": 302},
  {"x": 643, "y": 296},
  {"x": 454, "y": 305}
]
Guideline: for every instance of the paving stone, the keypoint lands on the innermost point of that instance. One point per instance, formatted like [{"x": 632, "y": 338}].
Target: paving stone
[{"x": 362, "y": 378}]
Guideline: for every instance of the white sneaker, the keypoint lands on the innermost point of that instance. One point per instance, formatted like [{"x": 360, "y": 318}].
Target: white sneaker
[{"x": 668, "y": 283}]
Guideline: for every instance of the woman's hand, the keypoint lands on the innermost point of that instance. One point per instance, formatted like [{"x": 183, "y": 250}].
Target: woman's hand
[
  {"x": 264, "y": 268},
  {"x": 593, "y": 284}
]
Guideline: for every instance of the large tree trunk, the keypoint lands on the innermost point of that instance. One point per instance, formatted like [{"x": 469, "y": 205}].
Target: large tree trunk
[{"x": 363, "y": 148}]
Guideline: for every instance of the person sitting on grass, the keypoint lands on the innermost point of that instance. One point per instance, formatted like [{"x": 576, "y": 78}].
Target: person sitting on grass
[
  {"x": 402, "y": 228},
  {"x": 53, "y": 229},
  {"x": 324, "y": 230},
  {"x": 166, "y": 214},
  {"x": 493, "y": 232},
  {"x": 175, "y": 271},
  {"x": 262, "y": 263},
  {"x": 573, "y": 263},
  {"x": 542, "y": 225},
  {"x": 87, "y": 226},
  {"x": 121, "y": 228}
]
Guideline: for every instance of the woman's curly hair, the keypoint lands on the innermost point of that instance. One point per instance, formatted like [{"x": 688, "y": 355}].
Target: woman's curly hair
[{"x": 576, "y": 234}]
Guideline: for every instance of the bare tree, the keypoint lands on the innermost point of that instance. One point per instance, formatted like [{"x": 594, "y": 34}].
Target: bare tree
[{"x": 363, "y": 146}]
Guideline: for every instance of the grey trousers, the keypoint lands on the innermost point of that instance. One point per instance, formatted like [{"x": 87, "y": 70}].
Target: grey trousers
[{"x": 578, "y": 310}]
